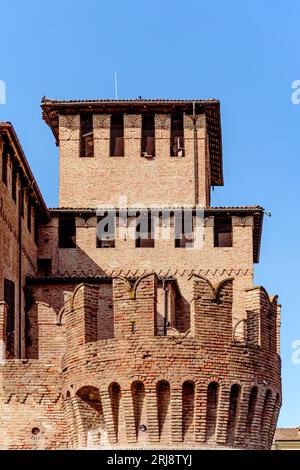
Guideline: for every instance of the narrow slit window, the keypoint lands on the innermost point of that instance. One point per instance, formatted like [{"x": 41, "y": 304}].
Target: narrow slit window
[
  {"x": 36, "y": 227},
  {"x": 21, "y": 195},
  {"x": 86, "y": 135},
  {"x": 184, "y": 229},
  {"x": 4, "y": 165},
  {"x": 177, "y": 138},
  {"x": 29, "y": 214},
  {"x": 44, "y": 266},
  {"x": 148, "y": 135},
  {"x": 67, "y": 232},
  {"x": 14, "y": 183},
  {"x": 9, "y": 298},
  {"x": 117, "y": 135},
  {"x": 223, "y": 232},
  {"x": 144, "y": 231},
  {"x": 106, "y": 230}
]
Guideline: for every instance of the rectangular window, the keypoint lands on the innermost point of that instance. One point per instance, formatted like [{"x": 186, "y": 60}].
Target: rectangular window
[
  {"x": 29, "y": 213},
  {"x": 67, "y": 232},
  {"x": 117, "y": 135},
  {"x": 148, "y": 135},
  {"x": 184, "y": 229},
  {"x": 44, "y": 266},
  {"x": 9, "y": 297},
  {"x": 21, "y": 194},
  {"x": 36, "y": 227},
  {"x": 106, "y": 230},
  {"x": 4, "y": 166},
  {"x": 86, "y": 135},
  {"x": 14, "y": 183},
  {"x": 223, "y": 231},
  {"x": 144, "y": 231},
  {"x": 177, "y": 140}
]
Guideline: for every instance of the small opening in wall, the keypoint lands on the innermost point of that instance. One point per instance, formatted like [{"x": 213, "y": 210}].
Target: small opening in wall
[
  {"x": 44, "y": 266},
  {"x": 67, "y": 232},
  {"x": 148, "y": 136},
  {"x": 35, "y": 431},
  {"x": 117, "y": 135},
  {"x": 177, "y": 140},
  {"x": 223, "y": 231},
  {"x": 86, "y": 135}
]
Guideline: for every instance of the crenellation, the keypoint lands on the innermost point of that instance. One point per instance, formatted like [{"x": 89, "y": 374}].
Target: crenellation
[{"x": 113, "y": 340}]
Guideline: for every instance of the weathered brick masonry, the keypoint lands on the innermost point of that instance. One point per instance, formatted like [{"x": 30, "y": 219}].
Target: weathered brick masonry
[{"x": 125, "y": 345}]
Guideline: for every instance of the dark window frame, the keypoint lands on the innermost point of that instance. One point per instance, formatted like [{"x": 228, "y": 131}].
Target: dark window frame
[
  {"x": 177, "y": 135},
  {"x": 10, "y": 299},
  {"x": 108, "y": 242},
  {"x": 223, "y": 231},
  {"x": 29, "y": 215},
  {"x": 14, "y": 182},
  {"x": 148, "y": 135},
  {"x": 86, "y": 135},
  {"x": 181, "y": 240},
  {"x": 116, "y": 142},
  {"x": 67, "y": 232},
  {"x": 44, "y": 266},
  {"x": 149, "y": 241},
  {"x": 4, "y": 165}
]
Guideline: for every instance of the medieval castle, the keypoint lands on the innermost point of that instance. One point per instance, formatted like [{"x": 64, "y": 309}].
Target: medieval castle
[{"x": 112, "y": 333}]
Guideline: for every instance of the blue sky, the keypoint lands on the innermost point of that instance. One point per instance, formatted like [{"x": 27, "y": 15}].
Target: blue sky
[{"x": 244, "y": 53}]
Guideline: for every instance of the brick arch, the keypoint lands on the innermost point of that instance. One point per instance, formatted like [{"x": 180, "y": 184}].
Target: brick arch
[
  {"x": 115, "y": 393},
  {"x": 73, "y": 296},
  {"x": 163, "y": 403},
  {"x": 90, "y": 417},
  {"x": 138, "y": 395},
  {"x": 272, "y": 301},
  {"x": 138, "y": 281},
  {"x": 80, "y": 222},
  {"x": 220, "y": 286},
  {"x": 213, "y": 378},
  {"x": 124, "y": 279},
  {"x": 251, "y": 410},
  {"x": 188, "y": 410},
  {"x": 215, "y": 289},
  {"x": 92, "y": 383},
  {"x": 189, "y": 378},
  {"x": 212, "y": 409},
  {"x": 275, "y": 413},
  {"x": 240, "y": 324},
  {"x": 233, "y": 413},
  {"x": 206, "y": 281},
  {"x": 266, "y": 413},
  {"x": 91, "y": 222},
  {"x": 60, "y": 316}
]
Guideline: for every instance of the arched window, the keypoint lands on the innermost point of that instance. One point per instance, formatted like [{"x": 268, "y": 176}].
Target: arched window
[
  {"x": 115, "y": 397},
  {"x": 234, "y": 404},
  {"x": 90, "y": 409},
  {"x": 188, "y": 408},
  {"x": 266, "y": 412},
  {"x": 163, "y": 407},
  {"x": 251, "y": 409},
  {"x": 138, "y": 398},
  {"x": 211, "y": 410}
]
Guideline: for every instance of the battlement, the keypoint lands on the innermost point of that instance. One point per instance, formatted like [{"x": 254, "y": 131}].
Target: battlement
[{"x": 202, "y": 387}]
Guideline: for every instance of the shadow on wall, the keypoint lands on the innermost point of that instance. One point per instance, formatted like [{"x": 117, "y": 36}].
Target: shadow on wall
[{"x": 109, "y": 416}]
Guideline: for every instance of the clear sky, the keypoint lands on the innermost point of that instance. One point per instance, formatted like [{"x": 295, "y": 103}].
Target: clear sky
[{"x": 244, "y": 53}]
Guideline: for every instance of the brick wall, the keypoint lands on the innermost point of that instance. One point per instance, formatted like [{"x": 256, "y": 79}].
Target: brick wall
[{"x": 161, "y": 180}]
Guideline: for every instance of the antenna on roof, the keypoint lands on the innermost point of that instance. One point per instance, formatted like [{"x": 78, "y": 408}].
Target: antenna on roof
[{"x": 116, "y": 85}]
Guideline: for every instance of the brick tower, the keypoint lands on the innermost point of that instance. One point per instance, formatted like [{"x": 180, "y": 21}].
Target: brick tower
[{"x": 142, "y": 327}]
